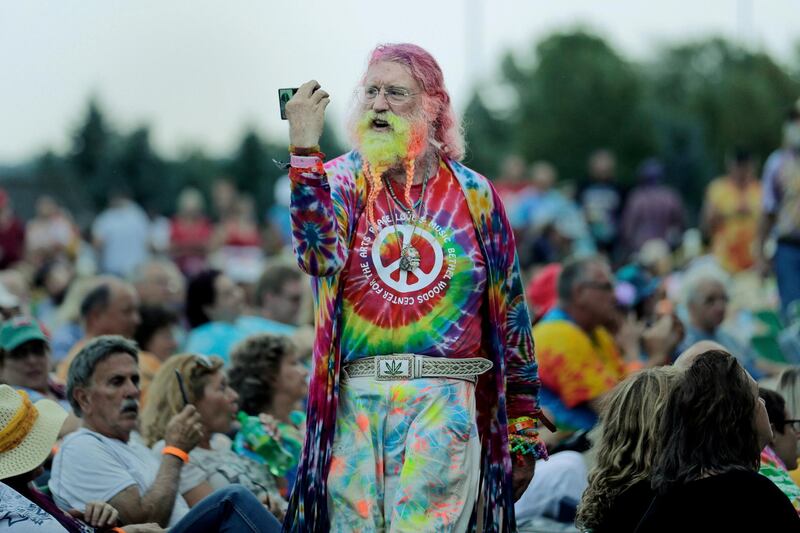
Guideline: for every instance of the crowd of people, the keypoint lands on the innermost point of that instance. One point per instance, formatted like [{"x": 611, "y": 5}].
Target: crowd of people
[{"x": 154, "y": 372}]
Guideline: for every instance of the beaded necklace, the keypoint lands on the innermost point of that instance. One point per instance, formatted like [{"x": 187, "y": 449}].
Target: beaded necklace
[{"x": 409, "y": 256}]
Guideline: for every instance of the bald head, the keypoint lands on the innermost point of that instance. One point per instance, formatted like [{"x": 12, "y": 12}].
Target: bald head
[
  {"x": 111, "y": 308},
  {"x": 707, "y": 303},
  {"x": 690, "y": 354}
]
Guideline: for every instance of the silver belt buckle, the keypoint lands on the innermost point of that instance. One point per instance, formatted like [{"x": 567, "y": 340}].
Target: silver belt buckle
[{"x": 394, "y": 367}]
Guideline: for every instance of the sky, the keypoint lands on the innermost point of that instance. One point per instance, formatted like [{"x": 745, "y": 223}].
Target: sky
[{"x": 199, "y": 72}]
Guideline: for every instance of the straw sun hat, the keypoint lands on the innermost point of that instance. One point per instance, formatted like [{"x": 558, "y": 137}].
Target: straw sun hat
[{"x": 27, "y": 431}]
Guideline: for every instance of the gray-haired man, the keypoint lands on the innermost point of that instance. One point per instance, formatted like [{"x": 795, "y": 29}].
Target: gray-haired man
[{"x": 98, "y": 462}]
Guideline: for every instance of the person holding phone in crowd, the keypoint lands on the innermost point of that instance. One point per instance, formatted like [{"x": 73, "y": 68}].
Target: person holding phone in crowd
[{"x": 424, "y": 393}]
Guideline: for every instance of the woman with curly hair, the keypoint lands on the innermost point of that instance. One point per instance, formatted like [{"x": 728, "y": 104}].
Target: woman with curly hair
[
  {"x": 712, "y": 431},
  {"x": 267, "y": 373},
  {"x": 619, "y": 486}
]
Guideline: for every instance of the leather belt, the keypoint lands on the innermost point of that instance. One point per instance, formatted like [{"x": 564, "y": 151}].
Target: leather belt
[{"x": 411, "y": 366}]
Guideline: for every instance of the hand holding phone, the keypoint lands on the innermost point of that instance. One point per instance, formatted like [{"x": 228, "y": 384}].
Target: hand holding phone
[
  {"x": 305, "y": 111},
  {"x": 284, "y": 95},
  {"x": 182, "y": 387}
]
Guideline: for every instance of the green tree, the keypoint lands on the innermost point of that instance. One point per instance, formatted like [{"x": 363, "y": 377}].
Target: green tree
[
  {"x": 142, "y": 170},
  {"x": 709, "y": 96},
  {"x": 487, "y": 137},
  {"x": 91, "y": 153},
  {"x": 578, "y": 95}
]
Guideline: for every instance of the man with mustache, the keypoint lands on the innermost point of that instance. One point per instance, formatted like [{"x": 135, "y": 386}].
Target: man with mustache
[
  {"x": 423, "y": 405},
  {"x": 101, "y": 462}
]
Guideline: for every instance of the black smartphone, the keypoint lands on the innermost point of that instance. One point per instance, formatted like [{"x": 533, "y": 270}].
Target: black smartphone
[
  {"x": 182, "y": 387},
  {"x": 284, "y": 95}
]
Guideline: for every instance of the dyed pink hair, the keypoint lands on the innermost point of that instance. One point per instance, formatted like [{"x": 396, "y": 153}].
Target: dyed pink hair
[{"x": 426, "y": 71}]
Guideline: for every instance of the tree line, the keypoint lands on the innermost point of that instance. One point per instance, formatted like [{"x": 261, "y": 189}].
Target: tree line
[{"x": 689, "y": 105}]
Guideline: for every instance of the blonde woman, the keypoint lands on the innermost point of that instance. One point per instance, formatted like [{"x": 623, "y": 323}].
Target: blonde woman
[
  {"x": 619, "y": 488},
  {"x": 789, "y": 388},
  {"x": 212, "y": 464}
]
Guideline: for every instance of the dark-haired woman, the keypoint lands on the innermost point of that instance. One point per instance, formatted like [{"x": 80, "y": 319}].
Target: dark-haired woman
[{"x": 706, "y": 473}]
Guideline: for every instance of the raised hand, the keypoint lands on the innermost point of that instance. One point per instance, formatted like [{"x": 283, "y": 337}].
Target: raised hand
[{"x": 306, "y": 114}]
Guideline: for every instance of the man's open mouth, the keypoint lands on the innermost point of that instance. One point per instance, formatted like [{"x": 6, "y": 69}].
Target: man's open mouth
[{"x": 379, "y": 124}]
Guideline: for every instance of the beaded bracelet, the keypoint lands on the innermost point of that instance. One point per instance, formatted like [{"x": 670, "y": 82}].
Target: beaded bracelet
[{"x": 521, "y": 445}]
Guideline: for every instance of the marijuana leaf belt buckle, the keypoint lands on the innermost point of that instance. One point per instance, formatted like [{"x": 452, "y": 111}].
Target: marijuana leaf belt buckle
[
  {"x": 413, "y": 366},
  {"x": 393, "y": 367}
]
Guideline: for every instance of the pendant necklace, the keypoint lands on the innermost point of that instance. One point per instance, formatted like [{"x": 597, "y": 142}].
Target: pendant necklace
[{"x": 409, "y": 256}]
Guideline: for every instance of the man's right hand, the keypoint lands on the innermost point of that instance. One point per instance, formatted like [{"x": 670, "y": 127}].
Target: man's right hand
[
  {"x": 306, "y": 114},
  {"x": 184, "y": 430}
]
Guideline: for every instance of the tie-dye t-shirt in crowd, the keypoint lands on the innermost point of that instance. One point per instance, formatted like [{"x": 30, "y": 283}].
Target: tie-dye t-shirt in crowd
[{"x": 433, "y": 309}]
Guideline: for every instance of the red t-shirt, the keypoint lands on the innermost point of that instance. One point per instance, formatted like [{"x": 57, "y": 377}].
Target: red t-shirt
[{"x": 434, "y": 309}]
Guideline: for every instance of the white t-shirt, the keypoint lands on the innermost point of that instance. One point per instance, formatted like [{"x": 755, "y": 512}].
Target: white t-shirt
[
  {"x": 125, "y": 232},
  {"x": 92, "y": 467},
  {"x": 220, "y": 466},
  {"x": 20, "y": 515}
]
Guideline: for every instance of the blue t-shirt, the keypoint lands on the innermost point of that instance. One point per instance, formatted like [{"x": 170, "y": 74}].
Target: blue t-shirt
[{"x": 219, "y": 338}]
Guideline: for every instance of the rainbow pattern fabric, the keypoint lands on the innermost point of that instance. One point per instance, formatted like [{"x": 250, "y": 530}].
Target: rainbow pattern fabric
[
  {"x": 432, "y": 310},
  {"x": 325, "y": 211},
  {"x": 404, "y": 456}
]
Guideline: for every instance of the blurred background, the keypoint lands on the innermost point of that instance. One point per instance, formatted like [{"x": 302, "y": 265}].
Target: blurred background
[{"x": 161, "y": 96}]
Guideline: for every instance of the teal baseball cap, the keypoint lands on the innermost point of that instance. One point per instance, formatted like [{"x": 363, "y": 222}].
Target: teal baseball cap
[{"x": 18, "y": 331}]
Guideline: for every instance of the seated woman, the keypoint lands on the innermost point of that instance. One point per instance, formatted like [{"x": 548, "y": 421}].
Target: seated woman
[
  {"x": 25, "y": 365},
  {"x": 619, "y": 484},
  {"x": 270, "y": 378},
  {"x": 28, "y": 431},
  {"x": 212, "y": 464},
  {"x": 780, "y": 455},
  {"x": 789, "y": 388},
  {"x": 712, "y": 431}
]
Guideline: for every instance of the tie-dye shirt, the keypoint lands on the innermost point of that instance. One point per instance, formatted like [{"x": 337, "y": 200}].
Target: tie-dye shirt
[
  {"x": 575, "y": 367},
  {"x": 432, "y": 310},
  {"x": 737, "y": 210},
  {"x": 325, "y": 209},
  {"x": 773, "y": 469}
]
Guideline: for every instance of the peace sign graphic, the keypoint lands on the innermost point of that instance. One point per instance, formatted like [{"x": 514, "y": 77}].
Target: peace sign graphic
[{"x": 385, "y": 272}]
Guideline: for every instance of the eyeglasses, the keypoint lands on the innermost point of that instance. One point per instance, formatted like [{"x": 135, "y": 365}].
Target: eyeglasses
[
  {"x": 394, "y": 95},
  {"x": 794, "y": 424}
]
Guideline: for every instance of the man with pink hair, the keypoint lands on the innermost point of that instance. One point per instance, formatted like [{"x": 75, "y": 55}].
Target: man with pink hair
[{"x": 423, "y": 406}]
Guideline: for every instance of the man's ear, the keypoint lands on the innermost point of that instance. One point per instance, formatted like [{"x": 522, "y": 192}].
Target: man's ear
[{"x": 81, "y": 396}]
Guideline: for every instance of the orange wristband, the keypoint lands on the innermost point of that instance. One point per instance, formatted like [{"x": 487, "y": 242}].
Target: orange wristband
[
  {"x": 177, "y": 452},
  {"x": 117, "y": 530}
]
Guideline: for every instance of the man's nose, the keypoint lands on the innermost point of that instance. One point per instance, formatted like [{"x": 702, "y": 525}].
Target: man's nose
[
  {"x": 380, "y": 103},
  {"x": 132, "y": 390}
]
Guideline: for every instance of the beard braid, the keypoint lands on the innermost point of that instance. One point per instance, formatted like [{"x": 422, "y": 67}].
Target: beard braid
[
  {"x": 407, "y": 142},
  {"x": 375, "y": 184}
]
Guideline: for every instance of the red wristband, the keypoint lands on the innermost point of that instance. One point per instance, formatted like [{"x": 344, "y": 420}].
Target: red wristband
[{"x": 177, "y": 452}]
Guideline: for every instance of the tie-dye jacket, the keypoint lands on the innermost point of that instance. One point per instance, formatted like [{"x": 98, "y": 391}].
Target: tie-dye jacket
[{"x": 325, "y": 210}]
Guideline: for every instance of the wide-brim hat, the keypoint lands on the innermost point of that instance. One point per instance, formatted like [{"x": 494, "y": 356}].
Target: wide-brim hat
[{"x": 28, "y": 431}]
